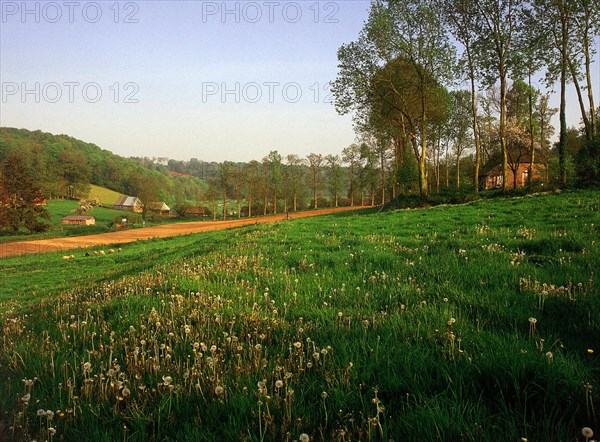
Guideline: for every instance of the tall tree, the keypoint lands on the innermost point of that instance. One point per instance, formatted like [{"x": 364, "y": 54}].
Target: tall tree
[
  {"x": 545, "y": 113},
  {"x": 459, "y": 127},
  {"x": 294, "y": 178},
  {"x": 587, "y": 27},
  {"x": 238, "y": 180},
  {"x": 368, "y": 176},
  {"x": 273, "y": 165},
  {"x": 315, "y": 166},
  {"x": 373, "y": 76},
  {"x": 20, "y": 196},
  {"x": 496, "y": 29},
  {"x": 224, "y": 173},
  {"x": 463, "y": 24},
  {"x": 554, "y": 20},
  {"x": 351, "y": 156},
  {"x": 254, "y": 183},
  {"x": 335, "y": 176}
]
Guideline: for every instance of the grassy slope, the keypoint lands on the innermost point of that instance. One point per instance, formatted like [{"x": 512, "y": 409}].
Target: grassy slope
[
  {"x": 396, "y": 278},
  {"x": 106, "y": 196}
]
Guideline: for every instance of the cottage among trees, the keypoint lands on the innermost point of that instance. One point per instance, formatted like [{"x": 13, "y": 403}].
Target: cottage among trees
[{"x": 492, "y": 177}]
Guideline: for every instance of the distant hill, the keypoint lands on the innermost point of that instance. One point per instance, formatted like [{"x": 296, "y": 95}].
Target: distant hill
[{"x": 66, "y": 167}]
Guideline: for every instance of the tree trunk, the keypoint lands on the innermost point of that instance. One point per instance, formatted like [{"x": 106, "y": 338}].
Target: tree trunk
[
  {"x": 249, "y": 206},
  {"x": 224, "y": 208},
  {"x": 265, "y": 204},
  {"x": 503, "y": 127},
  {"x": 382, "y": 160},
  {"x": 562, "y": 145},
  {"x": 423, "y": 188},
  {"x": 532, "y": 141},
  {"x": 295, "y": 200},
  {"x": 475, "y": 132},
  {"x": 437, "y": 160},
  {"x": 275, "y": 203},
  {"x": 584, "y": 115},
  {"x": 457, "y": 172},
  {"x": 590, "y": 90},
  {"x": 447, "y": 168}
]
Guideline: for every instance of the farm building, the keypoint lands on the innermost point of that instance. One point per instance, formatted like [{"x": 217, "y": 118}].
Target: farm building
[
  {"x": 197, "y": 211},
  {"x": 492, "y": 177},
  {"x": 159, "y": 207},
  {"x": 129, "y": 204},
  {"x": 82, "y": 220}
]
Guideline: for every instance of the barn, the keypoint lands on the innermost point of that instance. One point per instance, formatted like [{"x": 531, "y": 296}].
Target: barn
[
  {"x": 129, "y": 204},
  {"x": 159, "y": 207},
  {"x": 81, "y": 220},
  {"x": 197, "y": 211}
]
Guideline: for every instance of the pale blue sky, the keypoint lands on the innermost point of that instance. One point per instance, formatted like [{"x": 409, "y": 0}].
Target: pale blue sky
[{"x": 176, "y": 62}]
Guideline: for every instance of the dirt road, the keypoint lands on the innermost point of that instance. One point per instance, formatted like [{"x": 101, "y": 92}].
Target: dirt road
[{"x": 162, "y": 231}]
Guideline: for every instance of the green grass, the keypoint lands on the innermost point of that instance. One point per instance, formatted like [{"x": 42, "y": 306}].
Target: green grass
[
  {"x": 339, "y": 327},
  {"x": 106, "y": 196}
]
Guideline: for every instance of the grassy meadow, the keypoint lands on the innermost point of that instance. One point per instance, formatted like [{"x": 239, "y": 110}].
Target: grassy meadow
[{"x": 457, "y": 323}]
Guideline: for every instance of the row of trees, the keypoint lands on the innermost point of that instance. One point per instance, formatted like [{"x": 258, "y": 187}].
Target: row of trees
[
  {"x": 401, "y": 79},
  {"x": 277, "y": 184}
]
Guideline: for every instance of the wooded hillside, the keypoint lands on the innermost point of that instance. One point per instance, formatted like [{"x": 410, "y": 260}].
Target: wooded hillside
[{"x": 65, "y": 167}]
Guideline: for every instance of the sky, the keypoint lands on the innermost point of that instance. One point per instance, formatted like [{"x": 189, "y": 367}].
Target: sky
[{"x": 211, "y": 80}]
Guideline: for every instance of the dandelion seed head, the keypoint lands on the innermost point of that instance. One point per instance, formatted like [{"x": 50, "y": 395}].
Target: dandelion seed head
[{"x": 587, "y": 432}]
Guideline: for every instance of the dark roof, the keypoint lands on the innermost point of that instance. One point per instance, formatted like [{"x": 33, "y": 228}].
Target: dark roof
[{"x": 77, "y": 217}]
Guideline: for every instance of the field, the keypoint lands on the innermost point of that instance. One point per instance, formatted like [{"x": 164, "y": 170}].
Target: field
[
  {"x": 473, "y": 322},
  {"x": 104, "y": 222}
]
